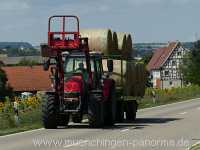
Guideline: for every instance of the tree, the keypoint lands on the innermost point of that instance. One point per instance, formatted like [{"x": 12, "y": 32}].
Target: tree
[
  {"x": 191, "y": 65},
  {"x": 147, "y": 57},
  {"x": 3, "y": 79},
  {"x": 5, "y": 90}
]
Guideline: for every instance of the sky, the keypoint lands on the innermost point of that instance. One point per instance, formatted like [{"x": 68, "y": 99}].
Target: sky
[{"x": 146, "y": 20}]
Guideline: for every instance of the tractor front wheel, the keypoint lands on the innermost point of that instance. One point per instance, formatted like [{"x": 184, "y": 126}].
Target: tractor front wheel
[
  {"x": 95, "y": 112},
  {"x": 49, "y": 112}
]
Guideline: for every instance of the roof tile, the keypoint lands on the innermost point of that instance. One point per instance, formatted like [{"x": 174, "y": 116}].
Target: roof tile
[
  {"x": 26, "y": 78},
  {"x": 160, "y": 56}
]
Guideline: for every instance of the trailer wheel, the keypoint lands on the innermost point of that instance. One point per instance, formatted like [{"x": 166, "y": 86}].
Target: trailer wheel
[
  {"x": 130, "y": 116},
  {"x": 49, "y": 112},
  {"x": 95, "y": 112},
  {"x": 131, "y": 109},
  {"x": 77, "y": 118},
  {"x": 110, "y": 113}
]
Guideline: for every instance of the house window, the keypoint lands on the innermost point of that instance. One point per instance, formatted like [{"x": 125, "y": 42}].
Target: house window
[
  {"x": 170, "y": 82},
  {"x": 166, "y": 73},
  {"x": 179, "y": 53}
]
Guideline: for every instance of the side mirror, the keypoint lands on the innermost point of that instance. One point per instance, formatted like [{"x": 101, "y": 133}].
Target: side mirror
[
  {"x": 105, "y": 75},
  {"x": 46, "y": 65},
  {"x": 110, "y": 65}
]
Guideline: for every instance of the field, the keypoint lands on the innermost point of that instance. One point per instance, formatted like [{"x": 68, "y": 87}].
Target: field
[{"x": 30, "y": 108}]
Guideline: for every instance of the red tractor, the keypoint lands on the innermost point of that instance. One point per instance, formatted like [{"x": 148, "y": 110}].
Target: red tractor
[{"x": 79, "y": 85}]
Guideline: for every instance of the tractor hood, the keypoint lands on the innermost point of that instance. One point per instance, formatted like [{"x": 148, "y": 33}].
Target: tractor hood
[{"x": 74, "y": 84}]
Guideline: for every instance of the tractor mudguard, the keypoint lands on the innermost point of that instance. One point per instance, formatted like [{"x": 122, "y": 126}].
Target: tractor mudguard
[
  {"x": 107, "y": 86},
  {"x": 50, "y": 93}
]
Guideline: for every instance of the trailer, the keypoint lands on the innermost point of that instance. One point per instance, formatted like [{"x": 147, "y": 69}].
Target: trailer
[{"x": 130, "y": 78}]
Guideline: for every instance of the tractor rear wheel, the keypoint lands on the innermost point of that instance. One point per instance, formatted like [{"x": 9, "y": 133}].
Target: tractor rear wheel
[
  {"x": 95, "y": 112},
  {"x": 63, "y": 120},
  {"x": 49, "y": 112},
  {"x": 110, "y": 113},
  {"x": 119, "y": 111}
]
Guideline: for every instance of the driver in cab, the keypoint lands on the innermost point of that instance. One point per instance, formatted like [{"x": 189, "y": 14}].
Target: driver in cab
[{"x": 83, "y": 71}]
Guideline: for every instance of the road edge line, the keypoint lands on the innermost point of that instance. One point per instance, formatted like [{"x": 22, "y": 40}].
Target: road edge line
[
  {"x": 165, "y": 105},
  {"x": 28, "y": 131},
  {"x": 18, "y": 133}
]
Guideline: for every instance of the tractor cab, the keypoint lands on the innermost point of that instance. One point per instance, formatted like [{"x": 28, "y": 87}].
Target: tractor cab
[
  {"x": 77, "y": 81},
  {"x": 75, "y": 65}
]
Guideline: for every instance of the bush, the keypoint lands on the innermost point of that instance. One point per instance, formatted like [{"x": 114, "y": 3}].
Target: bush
[{"x": 7, "y": 115}]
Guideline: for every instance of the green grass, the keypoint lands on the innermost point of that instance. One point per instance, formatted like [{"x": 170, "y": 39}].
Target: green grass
[
  {"x": 169, "y": 96},
  {"x": 28, "y": 120},
  {"x": 20, "y": 128}
]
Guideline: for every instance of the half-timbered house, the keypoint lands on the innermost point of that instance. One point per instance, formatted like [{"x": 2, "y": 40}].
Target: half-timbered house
[{"x": 164, "y": 66}]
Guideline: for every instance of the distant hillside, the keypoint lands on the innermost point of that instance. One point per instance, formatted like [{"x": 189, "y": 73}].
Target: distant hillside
[
  {"x": 15, "y": 45},
  {"x": 17, "y": 49},
  {"x": 142, "y": 49}
]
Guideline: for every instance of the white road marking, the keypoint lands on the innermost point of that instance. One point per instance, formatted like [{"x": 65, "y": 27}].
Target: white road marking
[
  {"x": 183, "y": 113},
  {"x": 75, "y": 144},
  {"x": 19, "y": 133},
  {"x": 30, "y": 131},
  {"x": 161, "y": 106},
  {"x": 195, "y": 146},
  {"x": 124, "y": 130}
]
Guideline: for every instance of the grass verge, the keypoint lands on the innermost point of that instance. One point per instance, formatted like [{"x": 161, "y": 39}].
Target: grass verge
[
  {"x": 20, "y": 128},
  {"x": 28, "y": 120},
  {"x": 169, "y": 96}
]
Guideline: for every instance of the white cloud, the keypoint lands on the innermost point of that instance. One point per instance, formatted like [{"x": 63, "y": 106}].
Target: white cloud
[
  {"x": 82, "y": 8},
  {"x": 181, "y": 1},
  {"x": 11, "y": 5},
  {"x": 144, "y": 1},
  {"x": 104, "y": 8},
  {"x": 140, "y": 2},
  {"x": 27, "y": 19}
]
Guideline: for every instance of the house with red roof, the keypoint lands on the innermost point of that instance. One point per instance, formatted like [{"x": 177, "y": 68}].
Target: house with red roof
[
  {"x": 164, "y": 66},
  {"x": 28, "y": 78}
]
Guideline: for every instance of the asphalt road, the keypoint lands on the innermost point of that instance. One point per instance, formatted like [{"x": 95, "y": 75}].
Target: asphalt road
[{"x": 170, "y": 127}]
